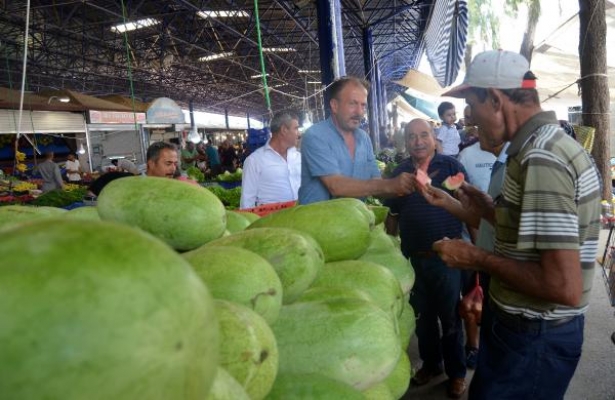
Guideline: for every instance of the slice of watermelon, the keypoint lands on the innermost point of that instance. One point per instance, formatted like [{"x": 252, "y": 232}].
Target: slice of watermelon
[
  {"x": 422, "y": 178},
  {"x": 454, "y": 182}
]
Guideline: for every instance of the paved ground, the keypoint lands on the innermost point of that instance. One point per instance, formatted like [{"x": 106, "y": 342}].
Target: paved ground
[{"x": 595, "y": 375}]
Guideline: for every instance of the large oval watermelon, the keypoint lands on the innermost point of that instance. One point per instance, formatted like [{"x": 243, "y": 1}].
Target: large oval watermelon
[
  {"x": 225, "y": 387},
  {"x": 239, "y": 275},
  {"x": 375, "y": 280},
  {"x": 183, "y": 215},
  {"x": 15, "y": 214},
  {"x": 383, "y": 251},
  {"x": 295, "y": 256},
  {"x": 349, "y": 340},
  {"x": 341, "y": 226},
  {"x": 311, "y": 387},
  {"x": 119, "y": 316},
  {"x": 248, "y": 349}
]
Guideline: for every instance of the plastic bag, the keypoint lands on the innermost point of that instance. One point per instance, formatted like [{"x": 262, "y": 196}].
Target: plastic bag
[{"x": 471, "y": 305}]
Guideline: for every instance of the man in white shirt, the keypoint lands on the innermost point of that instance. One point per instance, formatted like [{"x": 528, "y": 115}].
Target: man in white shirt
[
  {"x": 272, "y": 174},
  {"x": 124, "y": 165},
  {"x": 73, "y": 169}
]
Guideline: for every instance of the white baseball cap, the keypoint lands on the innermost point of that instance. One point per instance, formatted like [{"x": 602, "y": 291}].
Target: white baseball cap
[{"x": 499, "y": 69}]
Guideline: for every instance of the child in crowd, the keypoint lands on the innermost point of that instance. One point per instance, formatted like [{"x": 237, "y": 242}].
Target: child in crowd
[{"x": 447, "y": 134}]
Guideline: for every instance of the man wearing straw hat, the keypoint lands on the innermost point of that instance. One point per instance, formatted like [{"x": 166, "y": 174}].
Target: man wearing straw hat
[{"x": 547, "y": 222}]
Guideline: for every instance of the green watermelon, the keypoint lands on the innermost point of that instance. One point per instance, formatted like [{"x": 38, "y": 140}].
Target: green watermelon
[
  {"x": 248, "y": 349},
  {"x": 239, "y": 275},
  {"x": 341, "y": 226},
  {"x": 383, "y": 251},
  {"x": 398, "y": 380},
  {"x": 118, "y": 316},
  {"x": 375, "y": 280},
  {"x": 349, "y": 340},
  {"x": 84, "y": 213},
  {"x": 250, "y": 216},
  {"x": 311, "y": 387},
  {"x": 379, "y": 391},
  {"x": 407, "y": 325},
  {"x": 183, "y": 215},
  {"x": 333, "y": 292},
  {"x": 236, "y": 221},
  {"x": 380, "y": 213},
  {"x": 295, "y": 256},
  {"x": 225, "y": 387},
  {"x": 15, "y": 214}
]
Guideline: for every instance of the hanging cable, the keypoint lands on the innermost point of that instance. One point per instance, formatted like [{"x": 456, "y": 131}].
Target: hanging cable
[
  {"x": 262, "y": 57},
  {"x": 23, "y": 84},
  {"x": 23, "y": 71},
  {"x": 132, "y": 90}
]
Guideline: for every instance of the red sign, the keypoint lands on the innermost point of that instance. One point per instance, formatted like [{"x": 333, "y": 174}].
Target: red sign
[{"x": 116, "y": 117}]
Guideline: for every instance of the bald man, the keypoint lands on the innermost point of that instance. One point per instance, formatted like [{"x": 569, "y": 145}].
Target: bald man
[{"x": 435, "y": 296}]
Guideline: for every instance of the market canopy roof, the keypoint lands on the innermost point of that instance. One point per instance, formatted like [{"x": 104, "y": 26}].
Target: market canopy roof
[
  {"x": 10, "y": 99},
  {"x": 213, "y": 62},
  {"x": 87, "y": 102}
]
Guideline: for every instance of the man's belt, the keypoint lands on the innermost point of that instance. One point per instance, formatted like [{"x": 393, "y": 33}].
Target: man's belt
[{"x": 522, "y": 324}]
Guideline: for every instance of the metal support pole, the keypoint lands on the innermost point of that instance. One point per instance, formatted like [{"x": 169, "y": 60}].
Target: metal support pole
[
  {"x": 226, "y": 118},
  {"x": 372, "y": 98},
  {"x": 384, "y": 118},
  {"x": 191, "y": 112},
  {"x": 248, "y": 119},
  {"x": 330, "y": 37},
  {"x": 89, "y": 147}
]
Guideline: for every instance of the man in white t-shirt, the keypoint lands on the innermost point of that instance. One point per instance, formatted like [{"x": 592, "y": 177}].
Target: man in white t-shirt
[{"x": 73, "y": 169}]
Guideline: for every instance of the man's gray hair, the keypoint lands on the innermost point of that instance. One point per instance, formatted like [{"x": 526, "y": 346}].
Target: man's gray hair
[{"x": 282, "y": 118}]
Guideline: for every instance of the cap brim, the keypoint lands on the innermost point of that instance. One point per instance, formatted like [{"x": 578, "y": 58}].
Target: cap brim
[{"x": 457, "y": 91}]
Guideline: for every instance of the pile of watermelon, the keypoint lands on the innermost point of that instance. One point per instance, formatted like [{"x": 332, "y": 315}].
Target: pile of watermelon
[{"x": 158, "y": 292}]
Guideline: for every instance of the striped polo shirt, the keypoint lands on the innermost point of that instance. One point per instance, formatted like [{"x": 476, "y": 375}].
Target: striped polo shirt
[{"x": 550, "y": 200}]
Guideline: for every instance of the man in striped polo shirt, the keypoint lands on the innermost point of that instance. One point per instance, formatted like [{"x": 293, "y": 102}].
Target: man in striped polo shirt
[{"x": 547, "y": 222}]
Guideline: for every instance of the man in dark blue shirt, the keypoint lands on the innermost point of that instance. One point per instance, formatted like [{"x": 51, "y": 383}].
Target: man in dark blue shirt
[{"x": 436, "y": 293}]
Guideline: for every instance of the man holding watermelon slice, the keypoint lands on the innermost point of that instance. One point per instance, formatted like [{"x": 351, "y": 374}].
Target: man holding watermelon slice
[
  {"x": 435, "y": 296},
  {"x": 547, "y": 223}
]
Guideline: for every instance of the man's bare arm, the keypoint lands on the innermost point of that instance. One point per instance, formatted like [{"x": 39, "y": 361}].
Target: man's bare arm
[
  {"x": 343, "y": 186},
  {"x": 556, "y": 278}
]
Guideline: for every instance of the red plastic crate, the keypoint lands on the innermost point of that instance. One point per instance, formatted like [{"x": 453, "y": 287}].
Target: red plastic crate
[{"x": 267, "y": 209}]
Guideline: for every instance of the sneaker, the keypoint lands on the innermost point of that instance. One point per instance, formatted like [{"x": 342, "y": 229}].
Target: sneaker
[
  {"x": 424, "y": 375},
  {"x": 471, "y": 357},
  {"x": 456, "y": 387}
]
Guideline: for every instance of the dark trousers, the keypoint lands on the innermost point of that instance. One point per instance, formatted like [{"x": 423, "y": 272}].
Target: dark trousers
[
  {"x": 517, "y": 363},
  {"x": 435, "y": 297}
]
